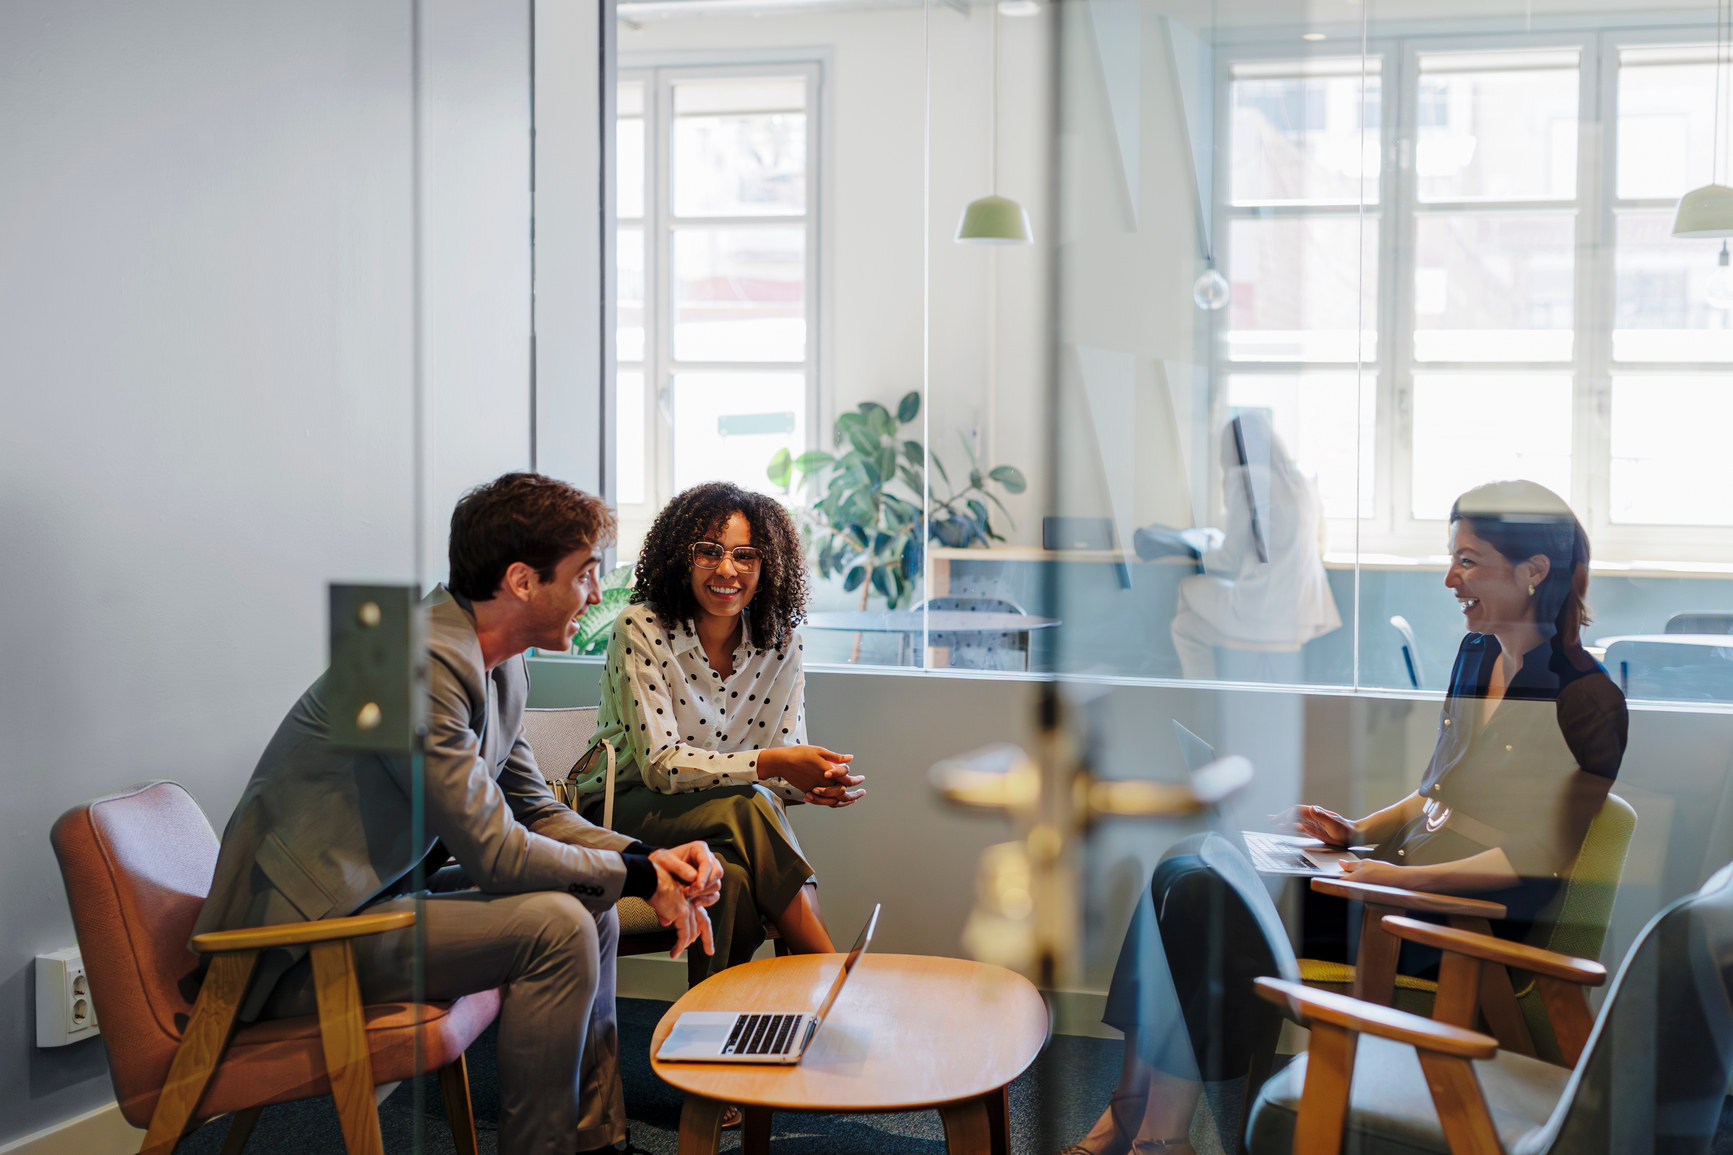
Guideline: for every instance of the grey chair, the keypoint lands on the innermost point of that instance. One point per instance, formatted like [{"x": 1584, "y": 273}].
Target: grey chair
[
  {"x": 1008, "y": 650},
  {"x": 1700, "y": 623},
  {"x": 1652, "y": 1078},
  {"x": 559, "y": 740}
]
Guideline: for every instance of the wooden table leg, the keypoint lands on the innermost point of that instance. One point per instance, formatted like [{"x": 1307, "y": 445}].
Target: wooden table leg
[
  {"x": 755, "y": 1130},
  {"x": 999, "y": 1119},
  {"x": 968, "y": 1127},
  {"x": 700, "y": 1125}
]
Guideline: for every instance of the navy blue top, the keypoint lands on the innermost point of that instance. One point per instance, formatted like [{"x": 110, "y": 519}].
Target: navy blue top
[{"x": 1531, "y": 781}]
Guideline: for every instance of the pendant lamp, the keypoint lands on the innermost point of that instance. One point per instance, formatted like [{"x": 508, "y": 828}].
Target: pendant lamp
[
  {"x": 995, "y": 220},
  {"x": 1708, "y": 211}
]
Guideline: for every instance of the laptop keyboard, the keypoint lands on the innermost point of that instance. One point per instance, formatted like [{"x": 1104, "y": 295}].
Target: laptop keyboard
[
  {"x": 1265, "y": 859},
  {"x": 762, "y": 1035}
]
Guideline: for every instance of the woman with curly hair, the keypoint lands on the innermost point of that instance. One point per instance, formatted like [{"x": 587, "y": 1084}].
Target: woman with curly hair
[{"x": 703, "y": 703}]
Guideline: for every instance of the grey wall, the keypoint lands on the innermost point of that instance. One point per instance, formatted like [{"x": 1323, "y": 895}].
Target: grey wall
[
  {"x": 902, "y": 847},
  {"x": 205, "y": 365}
]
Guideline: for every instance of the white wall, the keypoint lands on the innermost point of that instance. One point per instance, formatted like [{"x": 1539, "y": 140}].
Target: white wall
[
  {"x": 205, "y": 364},
  {"x": 871, "y": 207}
]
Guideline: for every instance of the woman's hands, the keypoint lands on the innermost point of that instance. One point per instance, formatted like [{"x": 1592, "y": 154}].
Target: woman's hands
[
  {"x": 1315, "y": 822},
  {"x": 822, "y": 774},
  {"x": 688, "y": 879},
  {"x": 1375, "y": 873}
]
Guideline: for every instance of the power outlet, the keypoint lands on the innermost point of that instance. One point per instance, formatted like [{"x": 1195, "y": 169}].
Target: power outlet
[{"x": 64, "y": 1010}]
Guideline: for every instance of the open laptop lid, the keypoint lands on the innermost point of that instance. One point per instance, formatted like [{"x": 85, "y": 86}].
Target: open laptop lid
[{"x": 848, "y": 965}]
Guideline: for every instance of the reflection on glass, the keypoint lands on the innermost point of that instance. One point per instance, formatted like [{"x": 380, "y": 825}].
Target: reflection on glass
[
  {"x": 1661, "y": 309},
  {"x": 629, "y": 261},
  {"x": 1666, "y": 120},
  {"x": 629, "y": 464},
  {"x": 1496, "y": 126},
  {"x": 1302, "y": 288},
  {"x": 629, "y": 179},
  {"x": 1316, "y": 415},
  {"x": 740, "y": 294},
  {"x": 1469, "y": 427},
  {"x": 1494, "y": 286},
  {"x": 1669, "y": 450},
  {"x": 727, "y": 426},
  {"x": 1303, "y": 133},
  {"x": 739, "y": 148}
]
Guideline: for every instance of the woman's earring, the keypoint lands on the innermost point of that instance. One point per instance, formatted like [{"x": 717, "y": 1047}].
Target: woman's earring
[{"x": 1531, "y": 590}]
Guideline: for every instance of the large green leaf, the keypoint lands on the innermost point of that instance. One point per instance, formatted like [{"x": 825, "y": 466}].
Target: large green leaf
[
  {"x": 914, "y": 454},
  {"x": 817, "y": 459},
  {"x": 888, "y": 462},
  {"x": 910, "y": 477},
  {"x": 865, "y": 442},
  {"x": 852, "y": 582},
  {"x": 940, "y": 466},
  {"x": 879, "y": 419},
  {"x": 882, "y": 581},
  {"x": 908, "y": 407},
  {"x": 781, "y": 467},
  {"x": 845, "y": 423},
  {"x": 1010, "y": 477},
  {"x": 874, "y": 475}
]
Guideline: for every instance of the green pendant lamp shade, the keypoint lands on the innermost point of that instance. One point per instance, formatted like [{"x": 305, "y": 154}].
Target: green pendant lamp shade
[
  {"x": 995, "y": 220},
  {"x": 1705, "y": 212}
]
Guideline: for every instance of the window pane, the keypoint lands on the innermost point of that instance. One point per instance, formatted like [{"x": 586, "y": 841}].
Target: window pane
[
  {"x": 1661, "y": 309},
  {"x": 1297, "y": 294},
  {"x": 629, "y": 294},
  {"x": 1666, "y": 125},
  {"x": 629, "y": 451},
  {"x": 629, "y": 180},
  {"x": 1305, "y": 138},
  {"x": 740, "y": 294},
  {"x": 1471, "y": 428},
  {"x": 739, "y": 148},
  {"x": 1494, "y": 286},
  {"x": 629, "y": 98},
  {"x": 1669, "y": 450},
  {"x": 1497, "y": 126},
  {"x": 1316, "y": 416},
  {"x": 727, "y": 426}
]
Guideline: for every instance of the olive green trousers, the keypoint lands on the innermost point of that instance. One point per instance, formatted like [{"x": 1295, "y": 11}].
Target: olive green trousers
[{"x": 748, "y": 830}]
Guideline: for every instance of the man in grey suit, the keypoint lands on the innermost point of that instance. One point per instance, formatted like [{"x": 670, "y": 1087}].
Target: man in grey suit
[{"x": 322, "y": 832}]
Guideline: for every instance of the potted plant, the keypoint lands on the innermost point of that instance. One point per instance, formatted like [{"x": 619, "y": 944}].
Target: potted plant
[{"x": 868, "y": 532}]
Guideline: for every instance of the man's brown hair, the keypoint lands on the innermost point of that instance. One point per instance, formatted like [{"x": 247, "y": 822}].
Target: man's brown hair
[{"x": 521, "y": 517}]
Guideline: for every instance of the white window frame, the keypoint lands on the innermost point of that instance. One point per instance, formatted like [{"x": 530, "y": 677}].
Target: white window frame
[
  {"x": 1391, "y": 528},
  {"x": 659, "y": 225}
]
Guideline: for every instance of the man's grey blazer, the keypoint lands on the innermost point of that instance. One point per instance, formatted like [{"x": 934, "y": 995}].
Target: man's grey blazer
[{"x": 320, "y": 832}]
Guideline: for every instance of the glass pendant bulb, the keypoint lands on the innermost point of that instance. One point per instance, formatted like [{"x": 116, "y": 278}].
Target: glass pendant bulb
[
  {"x": 1211, "y": 291},
  {"x": 1719, "y": 288}
]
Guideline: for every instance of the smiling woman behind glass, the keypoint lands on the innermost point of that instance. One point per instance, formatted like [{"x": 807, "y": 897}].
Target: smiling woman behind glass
[
  {"x": 703, "y": 697},
  {"x": 1531, "y": 734}
]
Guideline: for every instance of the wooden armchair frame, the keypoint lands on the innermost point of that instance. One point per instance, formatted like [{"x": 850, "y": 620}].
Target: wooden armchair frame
[
  {"x": 342, "y": 1031},
  {"x": 1375, "y": 964},
  {"x": 1446, "y": 1055},
  {"x": 1469, "y": 957},
  {"x": 1446, "y": 1043}
]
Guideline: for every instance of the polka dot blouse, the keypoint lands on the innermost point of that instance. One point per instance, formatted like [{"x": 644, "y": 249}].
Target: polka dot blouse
[{"x": 679, "y": 726}]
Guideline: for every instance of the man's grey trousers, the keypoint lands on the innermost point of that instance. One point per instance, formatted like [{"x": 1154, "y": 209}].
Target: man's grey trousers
[{"x": 559, "y": 1046}]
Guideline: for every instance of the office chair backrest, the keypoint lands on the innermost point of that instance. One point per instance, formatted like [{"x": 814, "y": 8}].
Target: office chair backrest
[
  {"x": 137, "y": 866},
  {"x": 1219, "y": 931},
  {"x": 1655, "y": 1073},
  {"x": 1699, "y": 623},
  {"x": 559, "y": 737}
]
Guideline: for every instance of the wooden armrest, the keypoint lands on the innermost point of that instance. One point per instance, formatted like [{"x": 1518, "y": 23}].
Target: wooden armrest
[
  {"x": 1498, "y": 950},
  {"x": 299, "y": 933},
  {"x": 1371, "y": 1019},
  {"x": 1408, "y": 899}
]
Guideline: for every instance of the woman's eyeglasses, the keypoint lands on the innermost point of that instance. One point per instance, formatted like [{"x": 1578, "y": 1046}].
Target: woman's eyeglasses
[{"x": 709, "y": 555}]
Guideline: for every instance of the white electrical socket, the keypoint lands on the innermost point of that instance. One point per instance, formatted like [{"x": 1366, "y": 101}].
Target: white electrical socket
[{"x": 64, "y": 1010}]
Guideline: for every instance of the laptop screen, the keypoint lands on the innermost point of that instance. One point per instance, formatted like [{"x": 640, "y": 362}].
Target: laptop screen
[{"x": 848, "y": 963}]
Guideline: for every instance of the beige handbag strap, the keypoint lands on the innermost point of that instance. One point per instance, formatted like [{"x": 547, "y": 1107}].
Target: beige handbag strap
[{"x": 608, "y": 788}]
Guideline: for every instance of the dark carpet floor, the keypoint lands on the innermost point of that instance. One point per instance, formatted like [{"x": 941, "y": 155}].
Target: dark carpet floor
[{"x": 1052, "y": 1104}]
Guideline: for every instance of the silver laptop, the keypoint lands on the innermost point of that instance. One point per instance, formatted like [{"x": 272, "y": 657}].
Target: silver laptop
[
  {"x": 1270, "y": 853},
  {"x": 738, "y": 1037}
]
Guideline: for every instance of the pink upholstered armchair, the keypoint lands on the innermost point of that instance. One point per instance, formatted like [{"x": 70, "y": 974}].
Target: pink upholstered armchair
[{"x": 137, "y": 867}]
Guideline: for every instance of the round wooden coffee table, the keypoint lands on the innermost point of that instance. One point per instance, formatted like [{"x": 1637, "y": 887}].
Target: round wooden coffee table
[{"x": 908, "y": 1032}]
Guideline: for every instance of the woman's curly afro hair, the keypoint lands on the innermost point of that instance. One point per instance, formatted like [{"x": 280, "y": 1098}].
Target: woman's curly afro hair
[{"x": 663, "y": 578}]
